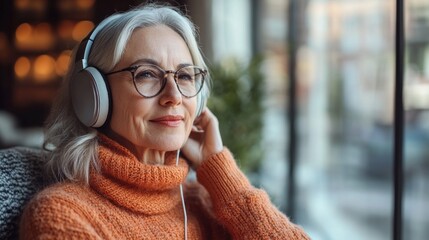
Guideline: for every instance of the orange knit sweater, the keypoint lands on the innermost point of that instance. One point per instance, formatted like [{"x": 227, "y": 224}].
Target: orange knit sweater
[{"x": 131, "y": 200}]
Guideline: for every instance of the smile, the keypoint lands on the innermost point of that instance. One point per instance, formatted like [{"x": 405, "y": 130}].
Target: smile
[{"x": 169, "y": 120}]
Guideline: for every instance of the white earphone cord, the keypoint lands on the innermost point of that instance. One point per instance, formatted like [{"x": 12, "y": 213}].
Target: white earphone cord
[{"x": 185, "y": 217}]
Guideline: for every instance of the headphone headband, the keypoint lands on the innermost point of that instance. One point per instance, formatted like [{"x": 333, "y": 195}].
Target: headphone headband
[{"x": 85, "y": 45}]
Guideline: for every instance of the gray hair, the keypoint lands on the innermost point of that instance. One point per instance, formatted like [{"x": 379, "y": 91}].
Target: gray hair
[{"x": 73, "y": 147}]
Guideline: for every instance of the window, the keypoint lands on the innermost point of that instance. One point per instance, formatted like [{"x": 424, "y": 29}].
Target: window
[{"x": 345, "y": 57}]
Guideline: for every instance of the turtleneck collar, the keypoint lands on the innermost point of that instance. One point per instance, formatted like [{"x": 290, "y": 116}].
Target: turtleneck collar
[{"x": 139, "y": 187}]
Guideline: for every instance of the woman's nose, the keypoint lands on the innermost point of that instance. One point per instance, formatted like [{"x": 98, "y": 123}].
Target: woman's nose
[{"x": 170, "y": 95}]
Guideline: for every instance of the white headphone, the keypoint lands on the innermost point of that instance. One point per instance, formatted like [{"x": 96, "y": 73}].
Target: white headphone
[{"x": 88, "y": 87}]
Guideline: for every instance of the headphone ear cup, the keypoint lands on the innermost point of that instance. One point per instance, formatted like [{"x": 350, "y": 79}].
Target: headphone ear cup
[{"x": 90, "y": 97}]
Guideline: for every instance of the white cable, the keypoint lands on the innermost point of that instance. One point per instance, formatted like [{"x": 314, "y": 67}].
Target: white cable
[
  {"x": 184, "y": 212},
  {"x": 185, "y": 216}
]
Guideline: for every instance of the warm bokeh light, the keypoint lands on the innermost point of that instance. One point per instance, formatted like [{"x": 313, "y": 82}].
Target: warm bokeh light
[
  {"x": 44, "y": 68},
  {"x": 43, "y": 29},
  {"x": 22, "y": 4},
  {"x": 72, "y": 5},
  {"x": 33, "y": 5},
  {"x": 65, "y": 29},
  {"x": 43, "y": 34},
  {"x": 62, "y": 63},
  {"x": 22, "y": 67},
  {"x": 81, "y": 29},
  {"x": 39, "y": 37},
  {"x": 23, "y": 32},
  {"x": 65, "y": 5},
  {"x": 85, "y": 4}
]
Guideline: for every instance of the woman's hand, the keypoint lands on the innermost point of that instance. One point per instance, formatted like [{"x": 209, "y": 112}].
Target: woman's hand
[{"x": 204, "y": 140}]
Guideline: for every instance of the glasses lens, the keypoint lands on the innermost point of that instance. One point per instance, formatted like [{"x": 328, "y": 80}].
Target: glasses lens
[
  {"x": 148, "y": 80},
  {"x": 190, "y": 80}
]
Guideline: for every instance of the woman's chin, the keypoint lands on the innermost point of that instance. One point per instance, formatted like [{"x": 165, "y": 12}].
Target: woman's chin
[
  {"x": 168, "y": 145},
  {"x": 171, "y": 147},
  {"x": 170, "y": 142}
]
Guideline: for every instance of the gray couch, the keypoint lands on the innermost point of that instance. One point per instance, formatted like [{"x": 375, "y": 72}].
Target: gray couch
[{"x": 21, "y": 176}]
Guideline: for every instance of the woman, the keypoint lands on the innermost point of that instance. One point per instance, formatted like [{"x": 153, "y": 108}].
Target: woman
[{"x": 133, "y": 99}]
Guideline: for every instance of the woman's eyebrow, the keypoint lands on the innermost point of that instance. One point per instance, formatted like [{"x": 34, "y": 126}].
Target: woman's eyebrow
[
  {"x": 145, "y": 60},
  {"x": 154, "y": 62},
  {"x": 183, "y": 65}
]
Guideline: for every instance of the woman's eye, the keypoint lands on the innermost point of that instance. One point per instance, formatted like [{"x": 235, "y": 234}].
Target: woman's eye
[
  {"x": 146, "y": 75},
  {"x": 185, "y": 77}
]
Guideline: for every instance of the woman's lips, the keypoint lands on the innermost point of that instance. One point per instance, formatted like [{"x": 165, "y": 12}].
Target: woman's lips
[{"x": 169, "y": 120}]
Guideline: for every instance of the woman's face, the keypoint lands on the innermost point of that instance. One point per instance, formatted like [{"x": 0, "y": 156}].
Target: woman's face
[{"x": 163, "y": 122}]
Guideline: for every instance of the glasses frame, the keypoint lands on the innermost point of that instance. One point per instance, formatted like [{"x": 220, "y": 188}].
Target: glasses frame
[{"x": 133, "y": 69}]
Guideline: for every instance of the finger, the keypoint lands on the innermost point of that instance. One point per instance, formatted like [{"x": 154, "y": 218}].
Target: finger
[
  {"x": 206, "y": 119},
  {"x": 196, "y": 129}
]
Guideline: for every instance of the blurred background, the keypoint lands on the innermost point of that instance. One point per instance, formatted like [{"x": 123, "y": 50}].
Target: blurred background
[{"x": 323, "y": 67}]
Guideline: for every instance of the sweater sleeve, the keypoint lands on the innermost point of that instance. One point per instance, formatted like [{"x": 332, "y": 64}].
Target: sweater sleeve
[{"x": 245, "y": 211}]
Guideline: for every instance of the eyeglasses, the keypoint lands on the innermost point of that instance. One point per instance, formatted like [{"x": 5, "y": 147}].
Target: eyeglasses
[{"x": 149, "y": 80}]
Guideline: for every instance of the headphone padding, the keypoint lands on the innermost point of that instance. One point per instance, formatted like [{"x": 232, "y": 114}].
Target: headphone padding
[{"x": 90, "y": 97}]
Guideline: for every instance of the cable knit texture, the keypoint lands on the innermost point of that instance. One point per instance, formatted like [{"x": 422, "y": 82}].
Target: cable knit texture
[
  {"x": 132, "y": 200},
  {"x": 20, "y": 177}
]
